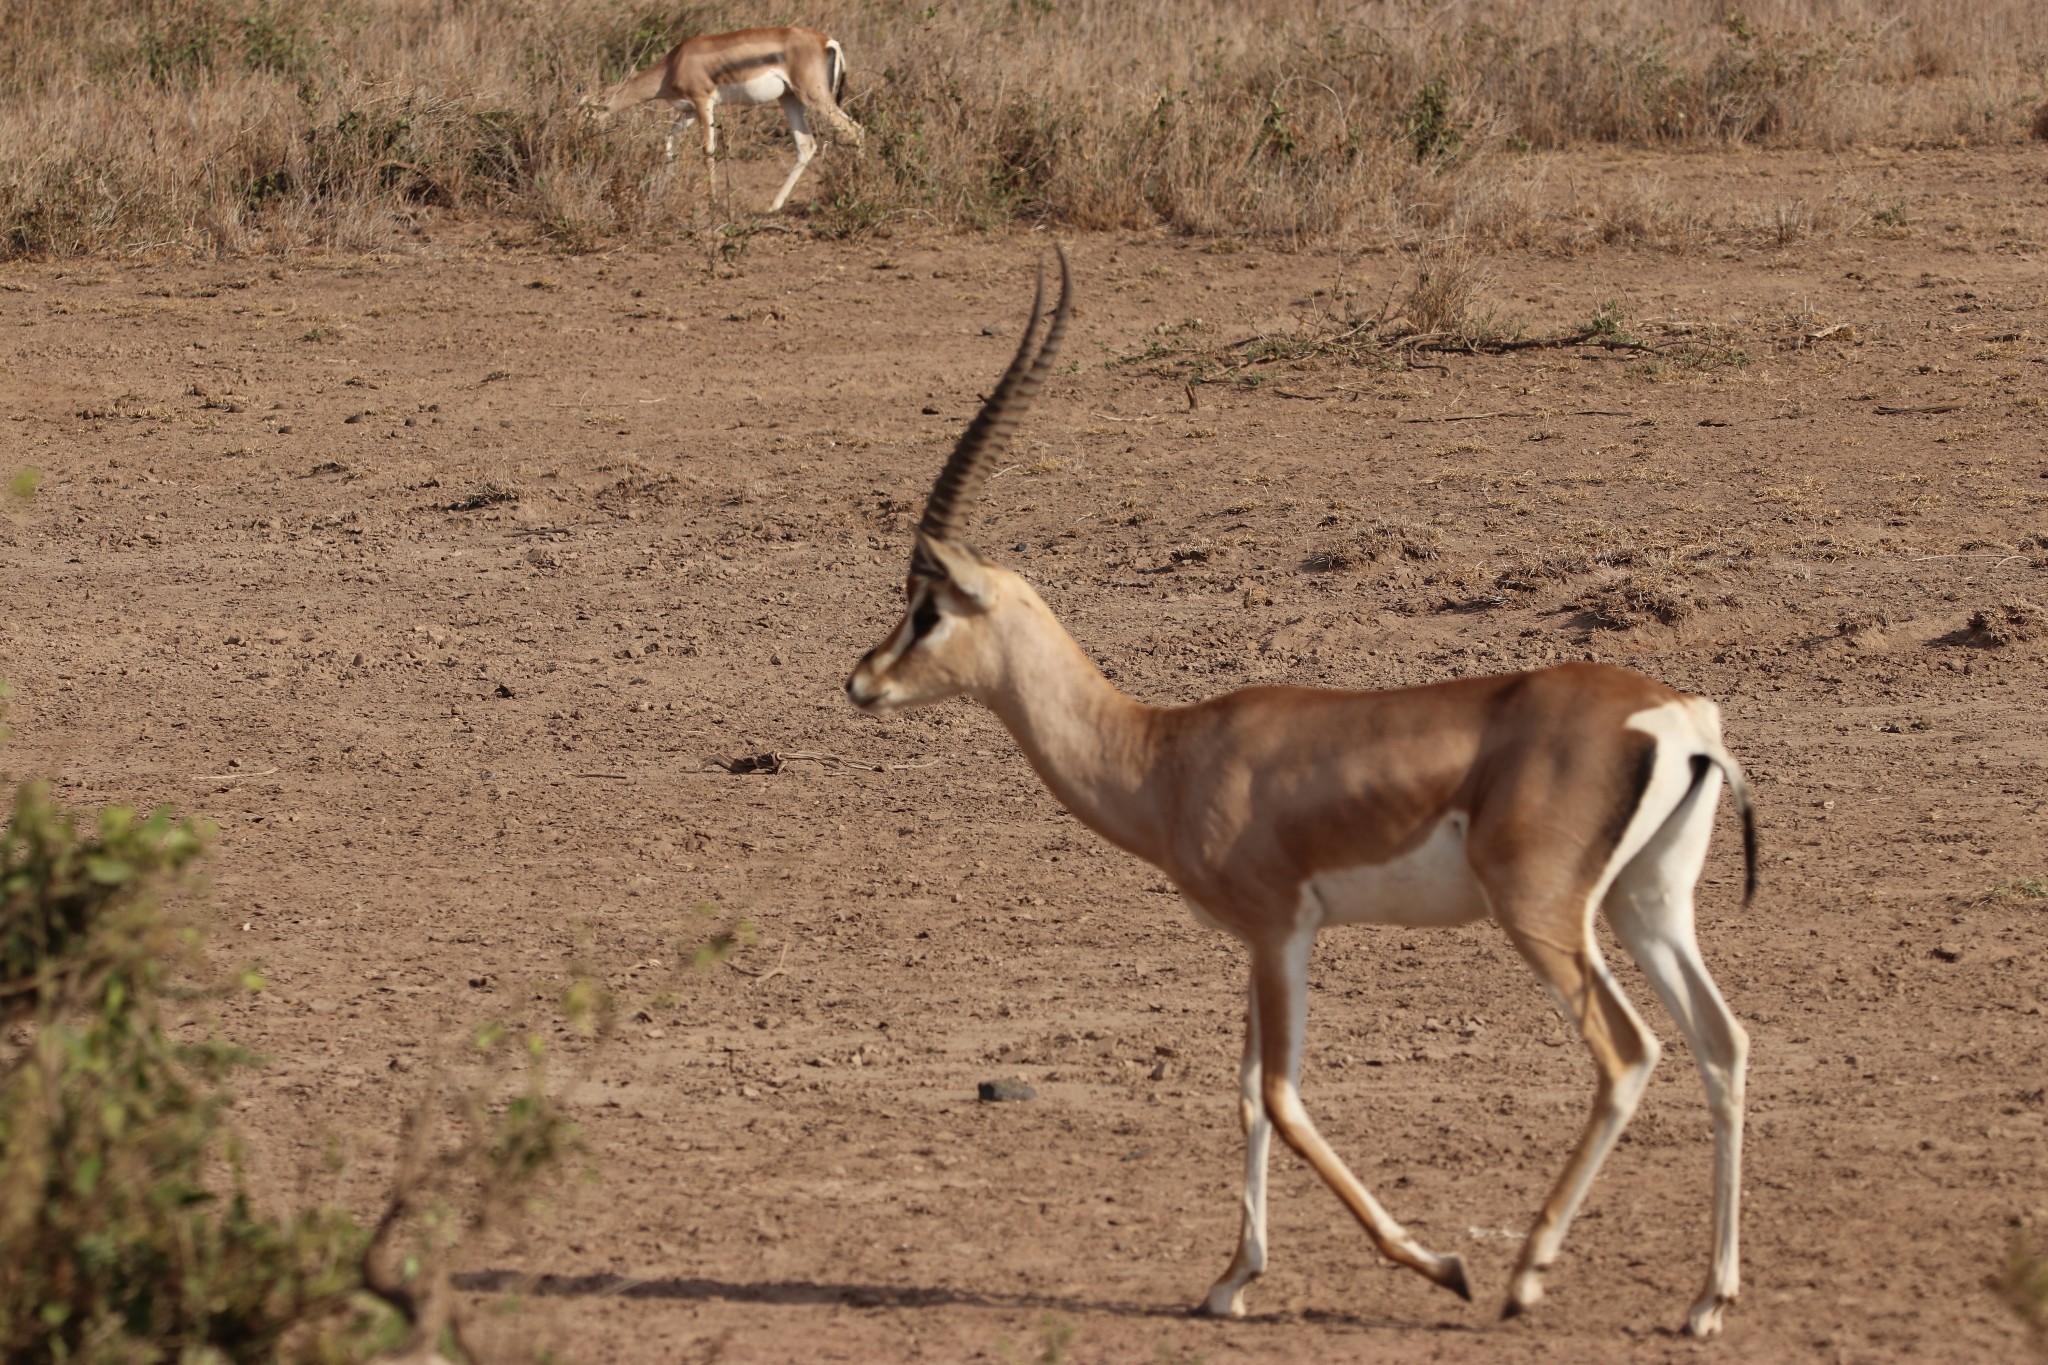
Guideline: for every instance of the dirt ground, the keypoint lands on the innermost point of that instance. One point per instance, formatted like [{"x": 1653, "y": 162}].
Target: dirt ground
[{"x": 444, "y": 746}]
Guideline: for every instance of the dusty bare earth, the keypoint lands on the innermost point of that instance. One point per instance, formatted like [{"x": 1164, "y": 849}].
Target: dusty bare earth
[{"x": 442, "y": 745}]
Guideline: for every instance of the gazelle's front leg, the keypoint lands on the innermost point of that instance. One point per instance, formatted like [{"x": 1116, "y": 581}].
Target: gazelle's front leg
[
  {"x": 705, "y": 108},
  {"x": 1280, "y": 995},
  {"x": 685, "y": 115},
  {"x": 1226, "y": 1296}
]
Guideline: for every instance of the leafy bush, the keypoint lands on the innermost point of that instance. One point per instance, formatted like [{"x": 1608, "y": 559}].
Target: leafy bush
[
  {"x": 119, "y": 1248},
  {"x": 129, "y": 1228}
]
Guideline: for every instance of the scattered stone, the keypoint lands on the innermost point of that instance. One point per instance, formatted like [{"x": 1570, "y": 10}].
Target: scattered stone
[{"x": 997, "y": 1092}]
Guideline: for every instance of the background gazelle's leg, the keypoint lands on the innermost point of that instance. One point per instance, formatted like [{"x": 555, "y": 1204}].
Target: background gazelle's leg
[
  {"x": 1651, "y": 909},
  {"x": 1226, "y": 1296},
  {"x": 1624, "y": 1051},
  {"x": 1280, "y": 994},
  {"x": 705, "y": 106},
  {"x": 685, "y": 115},
  {"x": 806, "y": 147}
]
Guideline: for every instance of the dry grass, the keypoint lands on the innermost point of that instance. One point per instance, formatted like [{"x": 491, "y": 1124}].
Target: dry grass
[
  {"x": 2008, "y": 623},
  {"x": 239, "y": 125},
  {"x": 1636, "y": 599}
]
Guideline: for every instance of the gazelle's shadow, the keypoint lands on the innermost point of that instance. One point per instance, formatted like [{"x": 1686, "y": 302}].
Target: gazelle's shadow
[
  {"x": 791, "y": 1292},
  {"x": 804, "y": 1293}
]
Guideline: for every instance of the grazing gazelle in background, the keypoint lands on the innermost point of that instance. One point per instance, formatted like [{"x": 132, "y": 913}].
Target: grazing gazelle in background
[
  {"x": 800, "y": 68},
  {"x": 1539, "y": 799}
]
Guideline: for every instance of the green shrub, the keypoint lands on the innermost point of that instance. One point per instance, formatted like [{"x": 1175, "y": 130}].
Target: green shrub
[
  {"x": 130, "y": 1232},
  {"x": 119, "y": 1246}
]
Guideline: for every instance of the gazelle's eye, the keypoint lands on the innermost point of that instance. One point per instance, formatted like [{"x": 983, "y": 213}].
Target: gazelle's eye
[{"x": 925, "y": 618}]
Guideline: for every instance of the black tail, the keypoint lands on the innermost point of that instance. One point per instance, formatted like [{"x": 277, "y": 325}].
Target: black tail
[
  {"x": 1738, "y": 787},
  {"x": 835, "y": 70}
]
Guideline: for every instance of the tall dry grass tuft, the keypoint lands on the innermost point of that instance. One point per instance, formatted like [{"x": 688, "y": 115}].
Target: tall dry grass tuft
[{"x": 259, "y": 124}]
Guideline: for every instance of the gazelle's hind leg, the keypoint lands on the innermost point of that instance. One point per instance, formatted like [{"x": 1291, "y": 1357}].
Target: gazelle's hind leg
[
  {"x": 1569, "y": 962},
  {"x": 806, "y": 147},
  {"x": 1651, "y": 908},
  {"x": 1226, "y": 1296},
  {"x": 1280, "y": 995}
]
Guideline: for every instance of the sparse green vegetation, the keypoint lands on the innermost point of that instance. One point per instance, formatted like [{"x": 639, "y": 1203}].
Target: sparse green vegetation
[
  {"x": 2023, "y": 1284},
  {"x": 132, "y": 1233}
]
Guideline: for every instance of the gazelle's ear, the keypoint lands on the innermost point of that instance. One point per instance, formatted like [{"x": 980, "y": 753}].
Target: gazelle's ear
[{"x": 968, "y": 575}]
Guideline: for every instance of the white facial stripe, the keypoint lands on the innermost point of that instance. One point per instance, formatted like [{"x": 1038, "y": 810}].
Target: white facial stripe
[{"x": 903, "y": 637}]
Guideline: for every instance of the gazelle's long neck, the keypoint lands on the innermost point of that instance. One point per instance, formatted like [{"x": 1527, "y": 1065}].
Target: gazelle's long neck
[
  {"x": 1095, "y": 748},
  {"x": 636, "y": 89}
]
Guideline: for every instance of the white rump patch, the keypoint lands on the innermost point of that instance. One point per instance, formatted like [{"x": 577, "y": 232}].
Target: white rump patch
[
  {"x": 1682, "y": 729},
  {"x": 1431, "y": 884}
]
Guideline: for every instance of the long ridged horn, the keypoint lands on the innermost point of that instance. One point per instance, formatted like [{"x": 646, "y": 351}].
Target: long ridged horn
[{"x": 960, "y": 481}]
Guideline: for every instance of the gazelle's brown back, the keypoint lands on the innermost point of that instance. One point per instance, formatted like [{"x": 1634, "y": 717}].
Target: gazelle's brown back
[{"x": 1271, "y": 785}]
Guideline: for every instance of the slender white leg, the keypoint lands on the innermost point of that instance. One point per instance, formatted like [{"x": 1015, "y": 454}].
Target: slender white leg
[
  {"x": 1651, "y": 909},
  {"x": 1226, "y": 1296},
  {"x": 1281, "y": 996},
  {"x": 710, "y": 148},
  {"x": 1625, "y": 1053},
  {"x": 806, "y": 147},
  {"x": 686, "y": 115}
]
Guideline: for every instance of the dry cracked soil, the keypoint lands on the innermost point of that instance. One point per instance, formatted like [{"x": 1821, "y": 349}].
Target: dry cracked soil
[{"x": 449, "y": 584}]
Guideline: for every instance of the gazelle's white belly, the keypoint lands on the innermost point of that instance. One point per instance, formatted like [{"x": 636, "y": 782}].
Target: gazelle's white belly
[
  {"x": 765, "y": 88},
  {"x": 1431, "y": 884}
]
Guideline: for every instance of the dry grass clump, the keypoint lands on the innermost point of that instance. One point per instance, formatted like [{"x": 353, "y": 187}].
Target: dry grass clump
[
  {"x": 1381, "y": 540},
  {"x": 1532, "y": 575},
  {"x": 2008, "y": 623},
  {"x": 1445, "y": 292},
  {"x": 1636, "y": 600},
  {"x": 252, "y": 124}
]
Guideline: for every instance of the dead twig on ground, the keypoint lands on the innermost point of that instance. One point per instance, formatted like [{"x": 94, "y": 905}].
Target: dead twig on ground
[{"x": 760, "y": 976}]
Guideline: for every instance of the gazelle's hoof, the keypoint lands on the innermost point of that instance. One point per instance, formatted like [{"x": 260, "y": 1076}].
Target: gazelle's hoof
[
  {"x": 1226, "y": 1299},
  {"x": 1705, "y": 1319},
  {"x": 1451, "y": 1275},
  {"x": 1221, "y": 1303},
  {"x": 1524, "y": 1293}
]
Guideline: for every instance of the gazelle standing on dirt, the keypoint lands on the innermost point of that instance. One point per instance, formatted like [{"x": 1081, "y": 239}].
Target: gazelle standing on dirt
[
  {"x": 800, "y": 68},
  {"x": 1536, "y": 798}
]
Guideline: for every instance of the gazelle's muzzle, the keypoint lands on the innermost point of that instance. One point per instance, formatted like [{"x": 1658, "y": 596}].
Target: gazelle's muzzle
[
  {"x": 860, "y": 688},
  {"x": 868, "y": 685}
]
